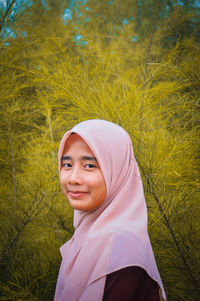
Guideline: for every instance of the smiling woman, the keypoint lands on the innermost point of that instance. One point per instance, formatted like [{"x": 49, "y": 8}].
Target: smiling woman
[
  {"x": 80, "y": 176},
  {"x": 109, "y": 257}
]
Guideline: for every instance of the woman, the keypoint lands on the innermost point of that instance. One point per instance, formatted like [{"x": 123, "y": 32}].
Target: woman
[{"x": 109, "y": 256}]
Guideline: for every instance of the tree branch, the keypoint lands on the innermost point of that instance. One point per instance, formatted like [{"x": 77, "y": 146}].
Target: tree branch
[
  {"x": 13, "y": 170},
  {"x": 167, "y": 222},
  {"x": 156, "y": 17},
  {"x": 7, "y": 12}
]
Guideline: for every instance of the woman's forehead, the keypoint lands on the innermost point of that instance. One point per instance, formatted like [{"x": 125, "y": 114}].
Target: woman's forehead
[{"x": 76, "y": 143}]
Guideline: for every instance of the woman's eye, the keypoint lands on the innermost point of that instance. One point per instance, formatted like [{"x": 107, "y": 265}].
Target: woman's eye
[
  {"x": 90, "y": 166},
  {"x": 67, "y": 165}
]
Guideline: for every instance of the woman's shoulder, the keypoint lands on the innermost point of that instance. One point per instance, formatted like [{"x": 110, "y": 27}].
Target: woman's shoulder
[{"x": 130, "y": 284}]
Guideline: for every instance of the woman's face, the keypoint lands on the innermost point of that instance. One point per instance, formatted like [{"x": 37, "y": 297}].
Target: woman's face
[{"x": 80, "y": 176}]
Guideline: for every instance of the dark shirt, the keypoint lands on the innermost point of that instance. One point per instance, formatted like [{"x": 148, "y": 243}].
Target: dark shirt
[{"x": 130, "y": 284}]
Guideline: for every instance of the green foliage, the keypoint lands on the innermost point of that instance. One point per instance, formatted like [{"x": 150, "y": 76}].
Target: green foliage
[{"x": 150, "y": 87}]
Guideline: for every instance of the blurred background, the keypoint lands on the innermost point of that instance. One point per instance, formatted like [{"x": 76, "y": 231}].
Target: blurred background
[{"x": 133, "y": 62}]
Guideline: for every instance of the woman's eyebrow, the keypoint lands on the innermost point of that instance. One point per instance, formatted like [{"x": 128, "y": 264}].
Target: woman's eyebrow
[
  {"x": 88, "y": 158},
  {"x": 66, "y": 158}
]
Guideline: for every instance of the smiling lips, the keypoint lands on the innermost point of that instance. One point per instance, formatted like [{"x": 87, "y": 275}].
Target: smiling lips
[{"x": 76, "y": 194}]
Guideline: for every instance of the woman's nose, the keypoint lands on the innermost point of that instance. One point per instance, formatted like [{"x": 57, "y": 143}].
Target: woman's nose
[{"x": 75, "y": 176}]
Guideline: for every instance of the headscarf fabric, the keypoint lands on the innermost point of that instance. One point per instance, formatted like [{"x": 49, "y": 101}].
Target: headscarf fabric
[{"x": 114, "y": 235}]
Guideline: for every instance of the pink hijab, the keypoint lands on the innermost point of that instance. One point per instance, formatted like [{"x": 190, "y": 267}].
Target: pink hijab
[{"x": 114, "y": 235}]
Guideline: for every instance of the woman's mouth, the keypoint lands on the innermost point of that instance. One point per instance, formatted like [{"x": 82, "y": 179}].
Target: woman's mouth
[{"x": 75, "y": 194}]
